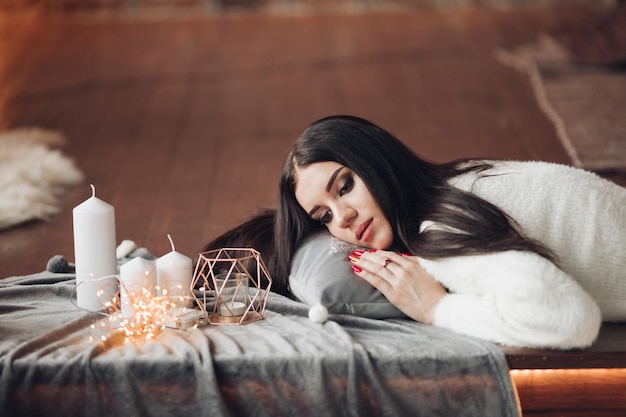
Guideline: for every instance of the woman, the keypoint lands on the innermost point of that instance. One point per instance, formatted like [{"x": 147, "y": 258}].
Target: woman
[{"x": 440, "y": 252}]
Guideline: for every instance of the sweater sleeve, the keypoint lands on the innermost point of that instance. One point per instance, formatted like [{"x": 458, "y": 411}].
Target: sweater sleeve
[
  {"x": 579, "y": 216},
  {"x": 514, "y": 298}
]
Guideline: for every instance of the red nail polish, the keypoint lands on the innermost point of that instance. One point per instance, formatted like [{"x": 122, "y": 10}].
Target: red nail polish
[
  {"x": 357, "y": 252},
  {"x": 356, "y": 269},
  {"x": 372, "y": 250}
]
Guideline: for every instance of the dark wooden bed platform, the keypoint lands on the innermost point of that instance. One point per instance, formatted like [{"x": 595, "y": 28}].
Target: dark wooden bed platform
[{"x": 589, "y": 382}]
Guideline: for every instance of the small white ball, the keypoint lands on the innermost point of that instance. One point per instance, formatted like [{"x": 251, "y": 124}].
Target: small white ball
[
  {"x": 125, "y": 248},
  {"x": 318, "y": 313}
]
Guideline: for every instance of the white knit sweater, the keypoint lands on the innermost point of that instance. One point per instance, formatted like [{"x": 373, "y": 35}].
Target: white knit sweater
[{"x": 521, "y": 299}]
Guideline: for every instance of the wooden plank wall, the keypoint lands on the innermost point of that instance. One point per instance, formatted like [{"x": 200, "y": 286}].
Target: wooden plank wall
[{"x": 182, "y": 123}]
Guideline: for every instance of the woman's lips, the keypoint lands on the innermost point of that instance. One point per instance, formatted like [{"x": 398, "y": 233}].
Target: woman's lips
[{"x": 364, "y": 230}]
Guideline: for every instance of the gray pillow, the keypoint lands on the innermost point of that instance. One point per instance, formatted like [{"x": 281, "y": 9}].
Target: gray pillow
[{"x": 321, "y": 273}]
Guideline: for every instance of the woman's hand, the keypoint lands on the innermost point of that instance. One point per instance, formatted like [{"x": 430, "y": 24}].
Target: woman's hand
[{"x": 402, "y": 280}]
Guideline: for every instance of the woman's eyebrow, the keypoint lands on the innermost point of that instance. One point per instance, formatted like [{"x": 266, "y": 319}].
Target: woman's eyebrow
[
  {"x": 313, "y": 210},
  {"x": 331, "y": 180}
]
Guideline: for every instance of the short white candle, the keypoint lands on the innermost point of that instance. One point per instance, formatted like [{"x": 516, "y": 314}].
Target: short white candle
[
  {"x": 136, "y": 275},
  {"x": 232, "y": 309},
  {"x": 174, "y": 275},
  {"x": 233, "y": 299},
  {"x": 94, "y": 252}
]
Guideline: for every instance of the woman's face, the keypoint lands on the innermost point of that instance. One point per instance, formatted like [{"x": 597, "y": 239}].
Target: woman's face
[{"x": 334, "y": 195}]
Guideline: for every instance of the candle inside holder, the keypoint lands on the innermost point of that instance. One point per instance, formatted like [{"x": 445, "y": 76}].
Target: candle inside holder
[
  {"x": 232, "y": 309},
  {"x": 233, "y": 297},
  {"x": 94, "y": 252}
]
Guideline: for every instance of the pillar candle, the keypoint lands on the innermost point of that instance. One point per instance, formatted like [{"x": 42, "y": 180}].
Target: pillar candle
[
  {"x": 135, "y": 276},
  {"x": 174, "y": 275},
  {"x": 94, "y": 252}
]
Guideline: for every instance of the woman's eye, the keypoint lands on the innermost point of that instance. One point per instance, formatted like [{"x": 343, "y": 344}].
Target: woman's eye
[
  {"x": 326, "y": 217},
  {"x": 346, "y": 186}
]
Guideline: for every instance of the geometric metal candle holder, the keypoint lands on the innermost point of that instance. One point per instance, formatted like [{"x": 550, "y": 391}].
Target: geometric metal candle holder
[{"x": 231, "y": 285}]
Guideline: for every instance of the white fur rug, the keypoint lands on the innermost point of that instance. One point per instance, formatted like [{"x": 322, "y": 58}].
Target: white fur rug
[{"x": 33, "y": 175}]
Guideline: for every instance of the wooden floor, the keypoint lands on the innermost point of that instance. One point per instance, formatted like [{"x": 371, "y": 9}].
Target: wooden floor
[{"x": 182, "y": 121}]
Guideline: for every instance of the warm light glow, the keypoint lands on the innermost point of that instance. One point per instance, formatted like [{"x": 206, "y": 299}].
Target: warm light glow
[
  {"x": 150, "y": 316},
  {"x": 571, "y": 389},
  {"x": 568, "y": 373}
]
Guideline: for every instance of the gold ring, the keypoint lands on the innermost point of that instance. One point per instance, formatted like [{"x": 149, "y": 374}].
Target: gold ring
[{"x": 387, "y": 260}]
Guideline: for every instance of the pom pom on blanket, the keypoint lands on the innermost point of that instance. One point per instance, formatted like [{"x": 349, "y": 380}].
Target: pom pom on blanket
[
  {"x": 318, "y": 314},
  {"x": 125, "y": 248},
  {"x": 125, "y": 251},
  {"x": 59, "y": 265}
]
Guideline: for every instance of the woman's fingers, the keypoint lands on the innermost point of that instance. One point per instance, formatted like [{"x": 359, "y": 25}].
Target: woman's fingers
[
  {"x": 376, "y": 281},
  {"x": 384, "y": 264},
  {"x": 401, "y": 280}
]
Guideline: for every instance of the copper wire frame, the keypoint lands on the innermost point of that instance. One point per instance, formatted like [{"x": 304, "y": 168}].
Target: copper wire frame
[{"x": 232, "y": 261}]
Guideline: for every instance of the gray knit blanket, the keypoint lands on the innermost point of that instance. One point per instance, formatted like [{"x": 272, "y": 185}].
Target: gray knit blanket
[{"x": 283, "y": 365}]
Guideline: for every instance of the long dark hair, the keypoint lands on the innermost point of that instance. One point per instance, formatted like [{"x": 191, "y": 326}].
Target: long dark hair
[{"x": 407, "y": 188}]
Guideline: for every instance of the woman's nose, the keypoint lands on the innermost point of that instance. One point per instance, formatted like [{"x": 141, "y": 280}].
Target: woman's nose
[{"x": 344, "y": 216}]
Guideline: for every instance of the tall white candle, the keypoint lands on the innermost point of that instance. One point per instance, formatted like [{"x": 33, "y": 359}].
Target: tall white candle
[
  {"x": 94, "y": 252},
  {"x": 135, "y": 276},
  {"x": 174, "y": 275}
]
